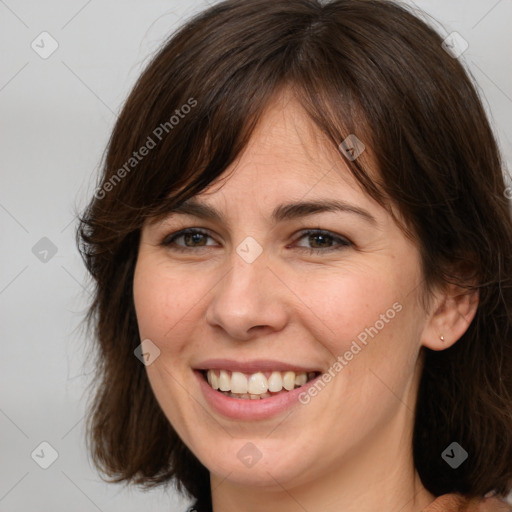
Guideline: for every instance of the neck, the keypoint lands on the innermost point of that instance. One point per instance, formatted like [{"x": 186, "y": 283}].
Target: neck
[
  {"x": 382, "y": 479},
  {"x": 377, "y": 474}
]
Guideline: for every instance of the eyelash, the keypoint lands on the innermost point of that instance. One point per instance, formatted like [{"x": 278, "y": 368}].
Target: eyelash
[{"x": 343, "y": 242}]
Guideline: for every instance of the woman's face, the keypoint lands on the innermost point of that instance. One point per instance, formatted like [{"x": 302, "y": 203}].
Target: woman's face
[{"x": 278, "y": 280}]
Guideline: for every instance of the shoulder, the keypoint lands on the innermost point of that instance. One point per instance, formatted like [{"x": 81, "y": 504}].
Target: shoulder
[
  {"x": 458, "y": 503},
  {"x": 491, "y": 505}
]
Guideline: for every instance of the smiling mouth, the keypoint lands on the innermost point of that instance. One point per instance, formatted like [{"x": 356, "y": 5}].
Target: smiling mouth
[{"x": 256, "y": 386}]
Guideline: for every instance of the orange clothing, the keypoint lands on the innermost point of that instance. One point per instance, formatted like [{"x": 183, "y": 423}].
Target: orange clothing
[{"x": 458, "y": 503}]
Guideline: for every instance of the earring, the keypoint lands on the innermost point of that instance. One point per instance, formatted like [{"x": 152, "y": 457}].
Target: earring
[{"x": 442, "y": 338}]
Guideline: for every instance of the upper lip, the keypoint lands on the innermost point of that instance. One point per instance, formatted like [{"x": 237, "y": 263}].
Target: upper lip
[{"x": 256, "y": 365}]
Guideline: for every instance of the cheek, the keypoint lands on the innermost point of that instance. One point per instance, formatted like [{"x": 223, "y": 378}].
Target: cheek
[
  {"x": 148, "y": 296},
  {"x": 163, "y": 304},
  {"x": 347, "y": 303},
  {"x": 367, "y": 320},
  {"x": 162, "y": 300}
]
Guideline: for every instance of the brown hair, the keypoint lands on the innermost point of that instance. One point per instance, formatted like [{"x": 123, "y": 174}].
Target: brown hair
[{"x": 366, "y": 67}]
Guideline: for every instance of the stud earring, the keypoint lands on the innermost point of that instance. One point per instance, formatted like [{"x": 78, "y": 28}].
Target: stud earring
[{"x": 442, "y": 338}]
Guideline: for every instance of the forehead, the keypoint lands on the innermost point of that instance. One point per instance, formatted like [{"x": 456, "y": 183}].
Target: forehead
[
  {"x": 288, "y": 170},
  {"x": 288, "y": 153},
  {"x": 287, "y": 156}
]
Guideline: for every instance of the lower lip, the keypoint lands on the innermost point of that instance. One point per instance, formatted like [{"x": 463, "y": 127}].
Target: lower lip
[{"x": 247, "y": 409}]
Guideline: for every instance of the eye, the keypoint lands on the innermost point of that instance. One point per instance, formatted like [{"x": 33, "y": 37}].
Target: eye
[
  {"x": 188, "y": 238},
  {"x": 323, "y": 241}
]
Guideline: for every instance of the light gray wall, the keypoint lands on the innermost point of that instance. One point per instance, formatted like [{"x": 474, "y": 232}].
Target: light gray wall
[{"x": 56, "y": 116}]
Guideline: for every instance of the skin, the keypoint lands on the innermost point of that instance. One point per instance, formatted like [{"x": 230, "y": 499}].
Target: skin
[{"x": 349, "y": 448}]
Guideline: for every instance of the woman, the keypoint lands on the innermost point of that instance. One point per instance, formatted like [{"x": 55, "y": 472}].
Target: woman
[{"x": 302, "y": 248}]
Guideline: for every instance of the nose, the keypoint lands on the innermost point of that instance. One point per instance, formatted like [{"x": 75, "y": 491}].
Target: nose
[{"x": 249, "y": 301}]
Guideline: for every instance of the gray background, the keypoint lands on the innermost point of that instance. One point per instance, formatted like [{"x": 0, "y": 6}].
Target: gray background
[{"x": 56, "y": 116}]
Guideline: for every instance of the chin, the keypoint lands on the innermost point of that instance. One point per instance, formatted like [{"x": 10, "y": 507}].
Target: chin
[{"x": 255, "y": 463}]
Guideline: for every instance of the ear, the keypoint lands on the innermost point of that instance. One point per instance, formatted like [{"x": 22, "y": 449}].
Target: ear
[{"x": 453, "y": 311}]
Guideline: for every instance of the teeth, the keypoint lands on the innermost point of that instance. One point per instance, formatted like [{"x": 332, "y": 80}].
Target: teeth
[
  {"x": 257, "y": 385},
  {"x": 224, "y": 381},
  {"x": 289, "y": 380},
  {"x": 301, "y": 379},
  {"x": 238, "y": 383},
  {"x": 213, "y": 380},
  {"x": 275, "y": 382}
]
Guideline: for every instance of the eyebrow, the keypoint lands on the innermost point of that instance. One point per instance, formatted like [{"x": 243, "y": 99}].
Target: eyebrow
[{"x": 287, "y": 211}]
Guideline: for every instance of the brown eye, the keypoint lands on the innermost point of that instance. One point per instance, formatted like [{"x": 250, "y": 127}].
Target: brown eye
[
  {"x": 194, "y": 239},
  {"x": 187, "y": 239},
  {"x": 323, "y": 241}
]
